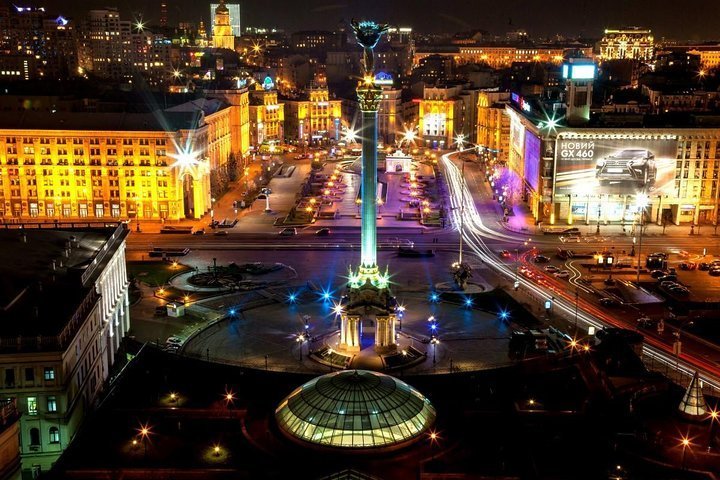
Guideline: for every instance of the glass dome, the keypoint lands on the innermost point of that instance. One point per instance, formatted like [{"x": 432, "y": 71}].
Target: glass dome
[{"x": 355, "y": 409}]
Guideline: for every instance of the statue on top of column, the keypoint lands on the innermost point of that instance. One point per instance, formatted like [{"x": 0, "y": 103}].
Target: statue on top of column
[{"x": 368, "y": 35}]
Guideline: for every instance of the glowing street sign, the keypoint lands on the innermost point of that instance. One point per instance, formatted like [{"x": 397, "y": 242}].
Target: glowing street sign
[
  {"x": 382, "y": 78},
  {"x": 268, "y": 83}
]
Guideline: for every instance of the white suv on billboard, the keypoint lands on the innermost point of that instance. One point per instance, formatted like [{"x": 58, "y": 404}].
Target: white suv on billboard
[{"x": 628, "y": 165}]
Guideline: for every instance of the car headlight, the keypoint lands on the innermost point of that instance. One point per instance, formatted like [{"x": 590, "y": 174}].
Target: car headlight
[{"x": 601, "y": 163}]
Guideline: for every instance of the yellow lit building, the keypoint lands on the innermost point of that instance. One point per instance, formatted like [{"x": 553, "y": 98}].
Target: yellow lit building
[
  {"x": 503, "y": 56},
  {"x": 267, "y": 116},
  {"x": 635, "y": 43},
  {"x": 222, "y": 30},
  {"x": 493, "y": 127},
  {"x": 157, "y": 165},
  {"x": 709, "y": 55},
  {"x": 445, "y": 112},
  {"x": 313, "y": 119}
]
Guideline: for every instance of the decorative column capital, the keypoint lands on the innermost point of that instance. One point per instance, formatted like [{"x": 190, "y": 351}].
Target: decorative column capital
[{"x": 369, "y": 97}]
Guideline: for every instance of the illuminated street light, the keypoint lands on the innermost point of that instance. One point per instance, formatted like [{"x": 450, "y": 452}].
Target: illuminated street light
[
  {"x": 349, "y": 135},
  {"x": 460, "y": 141}
]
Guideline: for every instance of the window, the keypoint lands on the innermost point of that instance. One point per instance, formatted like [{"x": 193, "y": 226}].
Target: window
[
  {"x": 54, "y": 435},
  {"x": 29, "y": 374},
  {"x": 32, "y": 406},
  {"x": 52, "y": 404},
  {"x": 9, "y": 377},
  {"x": 34, "y": 437}
]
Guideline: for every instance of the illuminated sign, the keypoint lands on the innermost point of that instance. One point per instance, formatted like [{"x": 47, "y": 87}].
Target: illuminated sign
[
  {"x": 268, "y": 84},
  {"x": 383, "y": 78},
  {"x": 578, "y": 72},
  {"x": 521, "y": 102}
]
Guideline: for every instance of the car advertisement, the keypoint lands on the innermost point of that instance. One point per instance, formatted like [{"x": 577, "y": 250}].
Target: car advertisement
[{"x": 614, "y": 166}]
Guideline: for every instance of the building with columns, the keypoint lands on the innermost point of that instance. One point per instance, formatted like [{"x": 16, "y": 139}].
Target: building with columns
[
  {"x": 267, "y": 116},
  {"x": 493, "y": 125},
  {"x": 64, "y": 315},
  {"x": 314, "y": 118},
  {"x": 221, "y": 29}
]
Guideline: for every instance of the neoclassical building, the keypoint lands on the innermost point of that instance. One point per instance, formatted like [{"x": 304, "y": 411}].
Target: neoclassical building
[
  {"x": 222, "y": 30},
  {"x": 64, "y": 316}
]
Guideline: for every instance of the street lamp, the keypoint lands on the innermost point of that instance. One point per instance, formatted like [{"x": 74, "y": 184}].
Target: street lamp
[
  {"x": 686, "y": 444},
  {"x": 714, "y": 416},
  {"x": 642, "y": 200},
  {"x": 434, "y": 341},
  {"x": 677, "y": 345}
]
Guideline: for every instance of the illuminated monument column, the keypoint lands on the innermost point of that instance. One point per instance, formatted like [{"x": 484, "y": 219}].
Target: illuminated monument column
[{"x": 368, "y": 292}]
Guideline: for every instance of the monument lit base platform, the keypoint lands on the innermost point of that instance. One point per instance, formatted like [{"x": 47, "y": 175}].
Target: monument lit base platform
[{"x": 407, "y": 353}]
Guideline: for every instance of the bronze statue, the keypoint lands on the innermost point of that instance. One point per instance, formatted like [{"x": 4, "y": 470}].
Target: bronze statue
[{"x": 368, "y": 35}]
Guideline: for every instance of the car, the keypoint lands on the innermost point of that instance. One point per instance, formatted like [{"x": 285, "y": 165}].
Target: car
[
  {"x": 678, "y": 290},
  {"x": 570, "y": 239},
  {"x": 688, "y": 266},
  {"x": 658, "y": 273},
  {"x": 288, "y": 232},
  {"x": 714, "y": 272},
  {"x": 571, "y": 231},
  {"x": 221, "y": 233},
  {"x": 199, "y": 232},
  {"x": 668, "y": 284},
  {"x": 668, "y": 277},
  {"x": 646, "y": 322},
  {"x": 715, "y": 263},
  {"x": 505, "y": 254},
  {"x": 551, "y": 269},
  {"x": 173, "y": 340},
  {"x": 609, "y": 302},
  {"x": 323, "y": 232},
  {"x": 662, "y": 255},
  {"x": 672, "y": 271},
  {"x": 629, "y": 165},
  {"x": 704, "y": 266},
  {"x": 562, "y": 274},
  {"x": 541, "y": 259}
]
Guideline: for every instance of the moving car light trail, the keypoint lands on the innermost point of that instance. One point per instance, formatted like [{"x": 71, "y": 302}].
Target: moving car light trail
[{"x": 473, "y": 232}]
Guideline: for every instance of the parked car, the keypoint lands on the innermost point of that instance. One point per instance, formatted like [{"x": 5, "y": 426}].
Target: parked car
[
  {"x": 551, "y": 269},
  {"x": 704, "y": 266},
  {"x": 199, "y": 232},
  {"x": 323, "y": 232},
  {"x": 288, "y": 232},
  {"x": 714, "y": 272},
  {"x": 173, "y": 340},
  {"x": 570, "y": 239},
  {"x": 668, "y": 277},
  {"x": 609, "y": 302},
  {"x": 688, "y": 266},
  {"x": 646, "y": 322},
  {"x": 667, "y": 284},
  {"x": 562, "y": 274},
  {"x": 679, "y": 290},
  {"x": 505, "y": 254},
  {"x": 221, "y": 233},
  {"x": 541, "y": 259},
  {"x": 658, "y": 273}
]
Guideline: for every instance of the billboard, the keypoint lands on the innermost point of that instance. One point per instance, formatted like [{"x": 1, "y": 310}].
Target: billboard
[
  {"x": 531, "y": 171},
  {"x": 614, "y": 166}
]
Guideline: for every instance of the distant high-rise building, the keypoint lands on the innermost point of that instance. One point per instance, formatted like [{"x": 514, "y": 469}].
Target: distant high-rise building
[
  {"x": 163, "y": 14},
  {"x": 222, "y": 32},
  {"x": 234, "y": 9},
  {"x": 635, "y": 43}
]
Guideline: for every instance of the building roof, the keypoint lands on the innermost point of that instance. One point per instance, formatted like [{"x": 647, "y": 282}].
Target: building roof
[
  {"x": 159, "y": 120},
  {"x": 37, "y": 299},
  {"x": 355, "y": 409}
]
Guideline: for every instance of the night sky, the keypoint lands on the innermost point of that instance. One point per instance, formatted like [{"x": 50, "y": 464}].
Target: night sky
[{"x": 682, "y": 19}]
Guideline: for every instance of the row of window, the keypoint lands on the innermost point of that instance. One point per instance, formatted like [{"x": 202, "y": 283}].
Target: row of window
[
  {"x": 48, "y": 375},
  {"x": 91, "y": 141},
  {"x": 53, "y": 436},
  {"x": 51, "y": 404}
]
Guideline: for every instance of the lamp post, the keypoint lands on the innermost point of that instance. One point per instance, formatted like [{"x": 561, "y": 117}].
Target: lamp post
[
  {"x": 642, "y": 201},
  {"x": 685, "y": 442},
  {"x": 714, "y": 416},
  {"x": 677, "y": 345},
  {"x": 434, "y": 341}
]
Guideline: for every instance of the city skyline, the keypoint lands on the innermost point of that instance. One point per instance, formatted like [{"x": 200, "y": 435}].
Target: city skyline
[{"x": 688, "y": 20}]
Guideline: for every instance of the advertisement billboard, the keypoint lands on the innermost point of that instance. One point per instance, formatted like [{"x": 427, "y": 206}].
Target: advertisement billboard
[
  {"x": 614, "y": 166},
  {"x": 532, "y": 160}
]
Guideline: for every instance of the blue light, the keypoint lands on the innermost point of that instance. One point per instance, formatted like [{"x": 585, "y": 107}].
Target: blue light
[
  {"x": 433, "y": 327},
  {"x": 434, "y": 297},
  {"x": 232, "y": 311},
  {"x": 503, "y": 315},
  {"x": 307, "y": 326},
  {"x": 292, "y": 297},
  {"x": 468, "y": 302}
]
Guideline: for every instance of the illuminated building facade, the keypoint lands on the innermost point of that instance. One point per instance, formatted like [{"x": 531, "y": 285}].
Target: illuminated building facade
[
  {"x": 315, "y": 119},
  {"x": 234, "y": 9},
  {"x": 446, "y": 111},
  {"x": 499, "y": 56},
  {"x": 709, "y": 55},
  {"x": 60, "y": 336},
  {"x": 635, "y": 43},
  {"x": 493, "y": 125},
  {"x": 390, "y": 118},
  {"x": 267, "y": 116},
  {"x": 118, "y": 165},
  {"x": 597, "y": 175},
  {"x": 222, "y": 30}
]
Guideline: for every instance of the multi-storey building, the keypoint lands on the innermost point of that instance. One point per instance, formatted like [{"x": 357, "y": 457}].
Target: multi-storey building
[
  {"x": 64, "y": 316},
  {"x": 314, "y": 40},
  {"x": 447, "y": 111},
  {"x": 105, "y": 40},
  {"x": 222, "y": 30},
  {"x": 635, "y": 43},
  {"x": 493, "y": 125},
  {"x": 267, "y": 116},
  {"x": 390, "y": 119},
  {"x": 313, "y": 119},
  {"x": 119, "y": 165},
  {"x": 502, "y": 56},
  {"x": 9, "y": 440},
  {"x": 234, "y": 9},
  {"x": 709, "y": 55}
]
